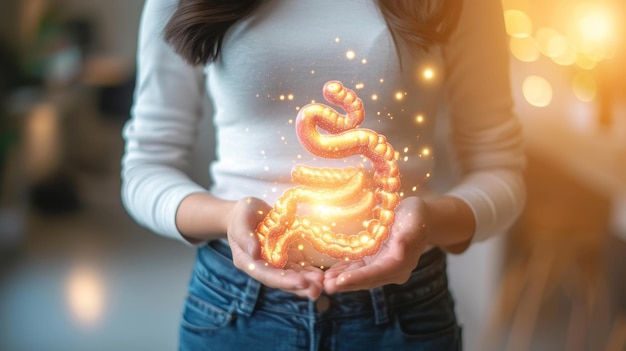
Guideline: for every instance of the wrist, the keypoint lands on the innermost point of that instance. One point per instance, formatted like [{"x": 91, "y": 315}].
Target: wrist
[
  {"x": 450, "y": 223},
  {"x": 202, "y": 217}
]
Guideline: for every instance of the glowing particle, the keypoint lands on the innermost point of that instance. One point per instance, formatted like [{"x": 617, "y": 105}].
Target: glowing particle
[
  {"x": 300, "y": 247},
  {"x": 406, "y": 149},
  {"x": 359, "y": 86},
  {"x": 426, "y": 151},
  {"x": 350, "y": 55},
  {"x": 312, "y": 71},
  {"x": 399, "y": 95},
  {"x": 248, "y": 200},
  {"x": 290, "y": 97},
  {"x": 266, "y": 168},
  {"x": 251, "y": 266},
  {"x": 382, "y": 80},
  {"x": 337, "y": 40},
  {"x": 406, "y": 158},
  {"x": 364, "y": 61},
  {"x": 274, "y": 189},
  {"x": 414, "y": 188},
  {"x": 374, "y": 97},
  {"x": 428, "y": 74},
  {"x": 427, "y": 175},
  {"x": 290, "y": 121},
  {"x": 262, "y": 152},
  {"x": 303, "y": 263},
  {"x": 260, "y": 212},
  {"x": 282, "y": 97}
]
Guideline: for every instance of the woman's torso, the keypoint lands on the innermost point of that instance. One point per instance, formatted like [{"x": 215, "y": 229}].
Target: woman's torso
[{"x": 276, "y": 61}]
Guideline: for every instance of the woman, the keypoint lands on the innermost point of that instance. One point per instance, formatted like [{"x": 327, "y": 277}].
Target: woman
[{"x": 261, "y": 62}]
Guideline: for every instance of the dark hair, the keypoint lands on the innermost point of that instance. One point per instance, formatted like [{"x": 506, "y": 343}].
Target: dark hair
[
  {"x": 420, "y": 24},
  {"x": 197, "y": 27}
]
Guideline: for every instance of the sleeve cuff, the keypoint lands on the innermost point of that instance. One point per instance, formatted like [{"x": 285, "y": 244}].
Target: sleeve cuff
[{"x": 496, "y": 199}]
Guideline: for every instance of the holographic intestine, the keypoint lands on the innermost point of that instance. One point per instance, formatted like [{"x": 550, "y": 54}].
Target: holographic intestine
[{"x": 337, "y": 193}]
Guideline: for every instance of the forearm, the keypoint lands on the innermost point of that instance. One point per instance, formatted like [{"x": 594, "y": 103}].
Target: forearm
[
  {"x": 450, "y": 223},
  {"x": 203, "y": 217}
]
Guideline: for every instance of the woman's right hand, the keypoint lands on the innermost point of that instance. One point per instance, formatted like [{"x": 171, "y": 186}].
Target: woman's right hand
[{"x": 247, "y": 213}]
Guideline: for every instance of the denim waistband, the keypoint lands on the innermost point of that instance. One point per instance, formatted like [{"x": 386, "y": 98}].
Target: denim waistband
[{"x": 214, "y": 266}]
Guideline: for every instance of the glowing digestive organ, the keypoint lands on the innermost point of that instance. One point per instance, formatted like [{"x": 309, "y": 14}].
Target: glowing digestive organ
[{"x": 337, "y": 193}]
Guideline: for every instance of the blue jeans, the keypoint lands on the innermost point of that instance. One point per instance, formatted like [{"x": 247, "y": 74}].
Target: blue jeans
[{"x": 227, "y": 310}]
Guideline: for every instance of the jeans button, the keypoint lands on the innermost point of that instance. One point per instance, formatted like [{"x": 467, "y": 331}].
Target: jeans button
[{"x": 322, "y": 304}]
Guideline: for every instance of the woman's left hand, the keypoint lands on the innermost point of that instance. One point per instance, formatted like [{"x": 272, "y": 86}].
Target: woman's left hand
[
  {"x": 396, "y": 259},
  {"x": 304, "y": 281}
]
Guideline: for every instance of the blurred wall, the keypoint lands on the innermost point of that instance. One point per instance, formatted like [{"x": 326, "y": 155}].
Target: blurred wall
[
  {"x": 116, "y": 20},
  {"x": 116, "y": 23},
  {"x": 8, "y": 20}
]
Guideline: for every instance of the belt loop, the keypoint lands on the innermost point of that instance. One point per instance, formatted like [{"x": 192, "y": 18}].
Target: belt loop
[
  {"x": 250, "y": 296},
  {"x": 381, "y": 312}
]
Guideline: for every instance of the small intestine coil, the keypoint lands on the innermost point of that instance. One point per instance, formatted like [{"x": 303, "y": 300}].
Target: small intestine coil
[{"x": 344, "y": 192}]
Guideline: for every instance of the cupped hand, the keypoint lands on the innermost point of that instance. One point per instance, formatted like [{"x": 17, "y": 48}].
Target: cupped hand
[
  {"x": 396, "y": 259},
  {"x": 302, "y": 280}
]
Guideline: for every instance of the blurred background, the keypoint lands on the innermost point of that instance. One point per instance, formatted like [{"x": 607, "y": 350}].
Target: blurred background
[{"x": 76, "y": 273}]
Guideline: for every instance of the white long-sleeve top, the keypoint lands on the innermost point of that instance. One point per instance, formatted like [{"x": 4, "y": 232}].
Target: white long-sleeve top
[{"x": 276, "y": 61}]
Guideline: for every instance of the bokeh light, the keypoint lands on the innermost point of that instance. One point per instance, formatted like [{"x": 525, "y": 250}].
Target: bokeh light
[
  {"x": 585, "y": 62},
  {"x": 537, "y": 91},
  {"x": 550, "y": 41},
  {"x": 595, "y": 22},
  {"x": 593, "y": 30},
  {"x": 584, "y": 86},
  {"x": 518, "y": 23},
  {"x": 85, "y": 294},
  {"x": 525, "y": 49},
  {"x": 567, "y": 57}
]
